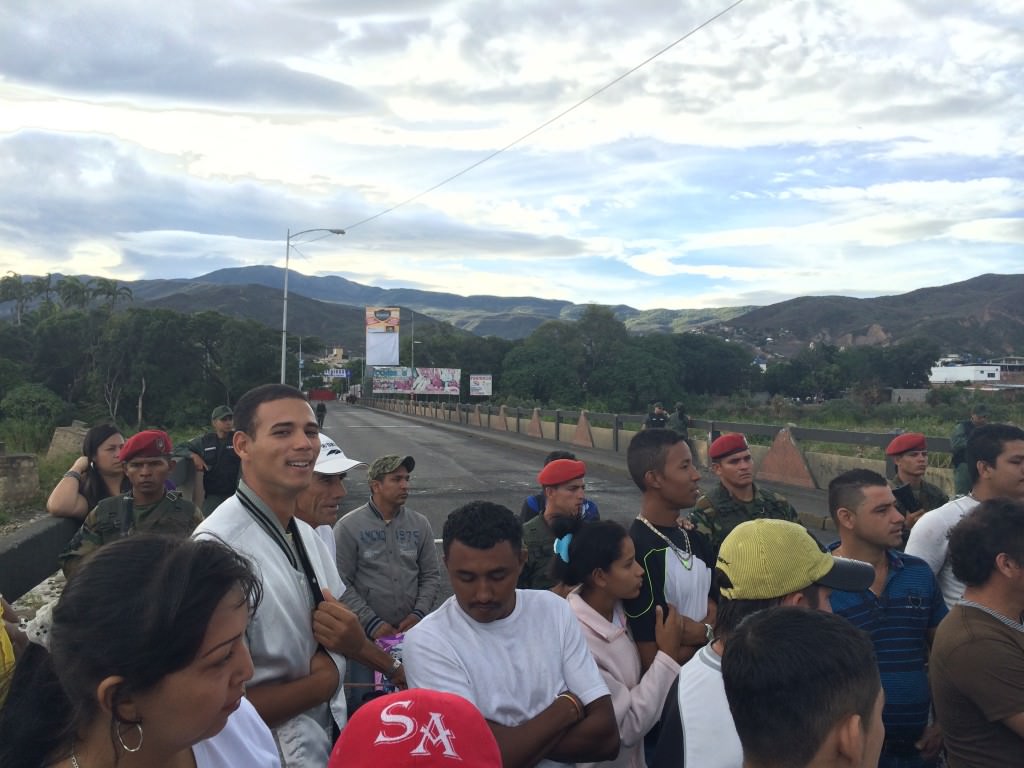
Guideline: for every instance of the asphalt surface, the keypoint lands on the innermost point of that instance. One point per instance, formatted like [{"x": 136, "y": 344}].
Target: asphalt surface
[{"x": 456, "y": 464}]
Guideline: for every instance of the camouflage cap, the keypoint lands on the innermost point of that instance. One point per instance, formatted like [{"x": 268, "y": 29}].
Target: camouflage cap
[{"x": 385, "y": 465}]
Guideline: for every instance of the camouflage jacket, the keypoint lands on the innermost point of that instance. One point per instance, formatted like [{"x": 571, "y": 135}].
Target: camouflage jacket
[
  {"x": 117, "y": 516},
  {"x": 718, "y": 512},
  {"x": 929, "y": 496},
  {"x": 538, "y": 541}
]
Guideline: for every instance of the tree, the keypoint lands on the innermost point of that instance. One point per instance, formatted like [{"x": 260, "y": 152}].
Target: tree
[
  {"x": 13, "y": 288},
  {"x": 74, "y": 293},
  {"x": 110, "y": 291},
  {"x": 43, "y": 288}
]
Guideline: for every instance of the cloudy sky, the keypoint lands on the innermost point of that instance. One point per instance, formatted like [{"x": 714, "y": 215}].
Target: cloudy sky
[{"x": 791, "y": 147}]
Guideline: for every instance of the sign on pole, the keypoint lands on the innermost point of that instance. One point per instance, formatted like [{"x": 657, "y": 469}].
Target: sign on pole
[
  {"x": 480, "y": 384},
  {"x": 382, "y": 335}
]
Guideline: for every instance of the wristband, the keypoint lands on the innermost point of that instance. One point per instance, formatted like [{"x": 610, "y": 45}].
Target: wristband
[
  {"x": 75, "y": 474},
  {"x": 576, "y": 704},
  {"x": 709, "y": 633},
  {"x": 394, "y": 669}
]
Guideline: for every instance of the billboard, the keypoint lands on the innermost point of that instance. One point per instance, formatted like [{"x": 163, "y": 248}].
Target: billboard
[
  {"x": 390, "y": 380},
  {"x": 382, "y": 335},
  {"x": 337, "y": 373},
  {"x": 480, "y": 384}
]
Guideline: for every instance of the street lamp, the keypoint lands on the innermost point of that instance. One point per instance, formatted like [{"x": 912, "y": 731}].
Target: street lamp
[{"x": 284, "y": 311}]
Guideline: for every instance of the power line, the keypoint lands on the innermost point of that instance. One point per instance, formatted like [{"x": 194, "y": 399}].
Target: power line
[{"x": 554, "y": 119}]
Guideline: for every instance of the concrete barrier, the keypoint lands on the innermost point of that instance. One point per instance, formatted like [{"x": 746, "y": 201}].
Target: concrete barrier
[
  {"x": 29, "y": 555},
  {"x": 19, "y": 478}
]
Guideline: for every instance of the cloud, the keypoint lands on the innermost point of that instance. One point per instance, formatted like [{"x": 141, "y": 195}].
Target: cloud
[{"x": 803, "y": 147}]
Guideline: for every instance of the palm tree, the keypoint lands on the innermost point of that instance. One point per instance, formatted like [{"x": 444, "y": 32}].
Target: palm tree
[
  {"x": 13, "y": 288},
  {"x": 111, "y": 291},
  {"x": 74, "y": 293},
  {"x": 42, "y": 287}
]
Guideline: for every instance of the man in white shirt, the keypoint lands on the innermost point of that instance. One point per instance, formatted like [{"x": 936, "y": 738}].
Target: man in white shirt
[
  {"x": 320, "y": 503},
  {"x": 518, "y": 655},
  {"x": 300, "y": 633},
  {"x": 995, "y": 461},
  {"x": 762, "y": 562}
]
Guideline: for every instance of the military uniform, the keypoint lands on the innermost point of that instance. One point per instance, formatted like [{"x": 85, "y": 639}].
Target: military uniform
[
  {"x": 118, "y": 516},
  {"x": 222, "y": 467},
  {"x": 718, "y": 512},
  {"x": 958, "y": 444},
  {"x": 538, "y": 541},
  {"x": 929, "y": 496}
]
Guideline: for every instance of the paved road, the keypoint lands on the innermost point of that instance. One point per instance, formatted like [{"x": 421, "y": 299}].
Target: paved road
[{"x": 456, "y": 464}]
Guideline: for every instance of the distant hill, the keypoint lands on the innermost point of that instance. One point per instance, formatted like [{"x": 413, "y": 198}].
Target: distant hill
[
  {"x": 983, "y": 316},
  {"x": 333, "y": 323},
  {"x": 507, "y": 317}
]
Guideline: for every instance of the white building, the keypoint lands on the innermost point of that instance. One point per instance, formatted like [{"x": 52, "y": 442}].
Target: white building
[{"x": 950, "y": 374}]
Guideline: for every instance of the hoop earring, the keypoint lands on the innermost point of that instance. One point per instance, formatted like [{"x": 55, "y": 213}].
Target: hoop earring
[{"x": 120, "y": 737}]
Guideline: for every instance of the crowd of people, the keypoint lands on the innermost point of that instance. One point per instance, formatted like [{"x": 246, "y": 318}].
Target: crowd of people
[{"x": 267, "y": 629}]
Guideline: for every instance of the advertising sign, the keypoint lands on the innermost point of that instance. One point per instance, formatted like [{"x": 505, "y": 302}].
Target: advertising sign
[
  {"x": 337, "y": 373},
  {"x": 390, "y": 380},
  {"x": 382, "y": 335},
  {"x": 480, "y": 384}
]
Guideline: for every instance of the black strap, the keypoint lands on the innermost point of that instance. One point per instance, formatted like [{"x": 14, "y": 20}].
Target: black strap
[
  {"x": 307, "y": 566},
  {"x": 127, "y": 520}
]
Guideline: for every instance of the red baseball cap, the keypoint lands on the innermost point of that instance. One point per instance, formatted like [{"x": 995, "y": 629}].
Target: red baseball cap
[{"x": 418, "y": 727}]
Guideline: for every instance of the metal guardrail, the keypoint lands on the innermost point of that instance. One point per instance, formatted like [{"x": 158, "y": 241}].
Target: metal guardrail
[{"x": 617, "y": 422}]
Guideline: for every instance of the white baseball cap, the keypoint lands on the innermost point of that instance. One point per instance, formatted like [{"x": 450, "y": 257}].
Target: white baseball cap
[{"x": 332, "y": 460}]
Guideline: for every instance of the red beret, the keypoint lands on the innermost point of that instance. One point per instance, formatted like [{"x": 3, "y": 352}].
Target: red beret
[
  {"x": 727, "y": 445},
  {"x": 561, "y": 471},
  {"x": 151, "y": 443},
  {"x": 909, "y": 441}
]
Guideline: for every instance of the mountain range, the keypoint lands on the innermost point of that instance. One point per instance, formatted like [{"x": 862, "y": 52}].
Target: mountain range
[{"x": 983, "y": 316}]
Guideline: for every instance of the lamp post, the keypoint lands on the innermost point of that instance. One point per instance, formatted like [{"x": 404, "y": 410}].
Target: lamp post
[{"x": 284, "y": 311}]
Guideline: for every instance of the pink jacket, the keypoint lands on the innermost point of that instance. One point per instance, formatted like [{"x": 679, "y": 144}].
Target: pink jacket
[{"x": 637, "y": 701}]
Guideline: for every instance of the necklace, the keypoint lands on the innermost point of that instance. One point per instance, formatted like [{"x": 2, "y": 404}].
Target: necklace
[
  {"x": 74, "y": 758},
  {"x": 685, "y": 557}
]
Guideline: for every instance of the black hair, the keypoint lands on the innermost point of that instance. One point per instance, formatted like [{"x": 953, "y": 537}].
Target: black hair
[
  {"x": 94, "y": 487},
  {"x": 994, "y": 527},
  {"x": 731, "y": 612},
  {"x": 555, "y": 455},
  {"x": 647, "y": 452},
  {"x": 594, "y": 545},
  {"x": 138, "y": 608},
  {"x": 245, "y": 408},
  {"x": 847, "y": 490},
  {"x": 481, "y": 525},
  {"x": 791, "y": 675},
  {"x": 986, "y": 443}
]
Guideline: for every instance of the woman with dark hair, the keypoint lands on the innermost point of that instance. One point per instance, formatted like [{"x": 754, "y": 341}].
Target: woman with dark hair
[
  {"x": 598, "y": 558},
  {"x": 94, "y": 476},
  {"x": 147, "y": 665}
]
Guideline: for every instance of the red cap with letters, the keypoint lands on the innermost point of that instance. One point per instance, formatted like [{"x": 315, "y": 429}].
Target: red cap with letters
[{"x": 417, "y": 727}]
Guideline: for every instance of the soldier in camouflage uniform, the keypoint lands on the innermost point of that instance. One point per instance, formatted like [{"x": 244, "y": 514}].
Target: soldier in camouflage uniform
[
  {"x": 736, "y": 498},
  {"x": 914, "y": 495},
  {"x": 149, "y": 507},
  {"x": 564, "y": 488},
  {"x": 958, "y": 443}
]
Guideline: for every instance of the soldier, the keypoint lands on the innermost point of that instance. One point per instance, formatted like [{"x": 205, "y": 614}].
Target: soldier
[
  {"x": 148, "y": 507},
  {"x": 657, "y": 418},
  {"x": 736, "y": 498},
  {"x": 213, "y": 456},
  {"x": 564, "y": 486},
  {"x": 914, "y": 495},
  {"x": 958, "y": 442}
]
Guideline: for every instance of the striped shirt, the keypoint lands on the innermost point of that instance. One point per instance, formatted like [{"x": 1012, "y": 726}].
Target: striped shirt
[{"x": 898, "y": 621}]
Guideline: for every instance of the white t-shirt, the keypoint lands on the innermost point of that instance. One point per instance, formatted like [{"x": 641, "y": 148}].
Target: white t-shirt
[
  {"x": 709, "y": 736},
  {"x": 245, "y": 740},
  {"x": 929, "y": 540},
  {"x": 511, "y": 669}
]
